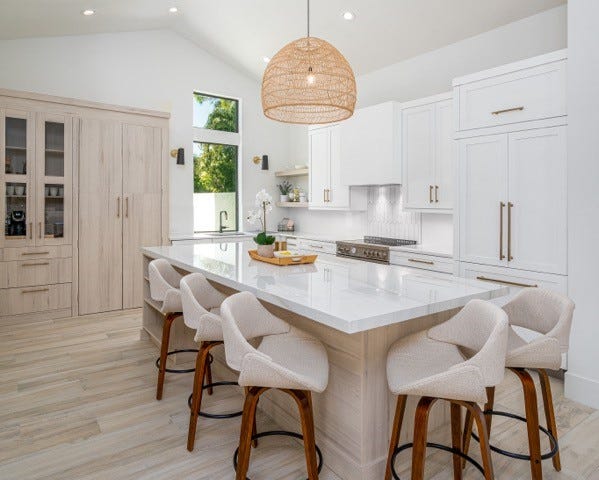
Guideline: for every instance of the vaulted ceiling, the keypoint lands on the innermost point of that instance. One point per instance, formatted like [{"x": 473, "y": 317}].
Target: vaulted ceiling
[{"x": 242, "y": 32}]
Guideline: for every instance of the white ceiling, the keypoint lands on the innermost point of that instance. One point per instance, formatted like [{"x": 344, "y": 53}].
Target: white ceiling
[{"x": 243, "y": 31}]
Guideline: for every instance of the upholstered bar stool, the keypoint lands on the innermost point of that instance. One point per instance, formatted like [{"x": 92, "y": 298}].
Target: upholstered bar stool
[
  {"x": 431, "y": 365},
  {"x": 286, "y": 359},
  {"x": 550, "y": 315},
  {"x": 201, "y": 302},
  {"x": 164, "y": 288}
]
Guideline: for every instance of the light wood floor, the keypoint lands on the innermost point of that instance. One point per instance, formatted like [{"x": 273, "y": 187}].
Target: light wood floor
[{"x": 77, "y": 402}]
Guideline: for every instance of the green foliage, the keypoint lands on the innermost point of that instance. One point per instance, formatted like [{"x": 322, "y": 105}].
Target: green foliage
[
  {"x": 215, "y": 169},
  {"x": 285, "y": 187},
  {"x": 263, "y": 239}
]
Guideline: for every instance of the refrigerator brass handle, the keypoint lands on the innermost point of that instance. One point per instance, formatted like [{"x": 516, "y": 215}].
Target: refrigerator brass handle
[
  {"x": 39, "y": 226},
  {"x": 510, "y": 205},
  {"x": 33, "y": 290},
  {"x": 501, "y": 207},
  {"x": 36, "y": 253},
  {"x": 118, "y": 207},
  {"x": 126, "y": 207},
  {"x": 427, "y": 262},
  {"x": 34, "y": 264},
  {"x": 430, "y": 194},
  {"x": 514, "y": 109},
  {"x": 506, "y": 282},
  {"x": 436, "y": 193}
]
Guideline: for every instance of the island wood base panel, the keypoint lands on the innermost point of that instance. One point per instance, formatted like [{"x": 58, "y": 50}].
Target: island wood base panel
[{"x": 354, "y": 415}]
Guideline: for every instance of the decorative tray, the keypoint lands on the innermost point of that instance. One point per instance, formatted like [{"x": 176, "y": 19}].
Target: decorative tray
[{"x": 299, "y": 260}]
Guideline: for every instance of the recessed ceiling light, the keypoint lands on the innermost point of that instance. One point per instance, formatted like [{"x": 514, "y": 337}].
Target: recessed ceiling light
[
  {"x": 173, "y": 9},
  {"x": 348, "y": 16},
  {"x": 88, "y": 12},
  {"x": 266, "y": 59}
]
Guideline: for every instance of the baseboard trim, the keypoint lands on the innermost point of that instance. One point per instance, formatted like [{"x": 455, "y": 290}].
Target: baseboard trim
[{"x": 582, "y": 390}]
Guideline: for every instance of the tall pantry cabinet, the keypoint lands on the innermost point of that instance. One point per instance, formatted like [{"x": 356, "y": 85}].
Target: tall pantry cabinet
[{"x": 84, "y": 186}]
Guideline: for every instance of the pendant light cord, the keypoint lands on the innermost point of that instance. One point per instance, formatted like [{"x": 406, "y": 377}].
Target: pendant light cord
[{"x": 308, "y": 17}]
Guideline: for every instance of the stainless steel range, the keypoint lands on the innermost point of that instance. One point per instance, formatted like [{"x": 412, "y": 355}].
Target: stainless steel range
[{"x": 372, "y": 249}]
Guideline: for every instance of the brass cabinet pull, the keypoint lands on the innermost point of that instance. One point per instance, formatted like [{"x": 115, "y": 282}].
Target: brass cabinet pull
[
  {"x": 515, "y": 109},
  {"x": 36, "y": 253},
  {"x": 430, "y": 194},
  {"x": 39, "y": 226},
  {"x": 506, "y": 282},
  {"x": 427, "y": 262},
  {"x": 436, "y": 193},
  {"x": 329, "y": 195},
  {"x": 34, "y": 264},
  {"x": 315, "y": 246},
  {"x": 501, "y": 207},
  {"x": 118, "y": 207},
  {"x": 30, "y": 230},
  {"x": 510, "y": 205},
  {"x": 33, "y": 290},
  {"x": 126, "y": 207}
]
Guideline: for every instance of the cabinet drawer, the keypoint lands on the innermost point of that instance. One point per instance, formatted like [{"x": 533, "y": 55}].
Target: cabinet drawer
[
  {"x": 515, "y": 279},
  {"x": 35, "y": 272},
  {"x": 425, "y": 262},
  {"x": 317, "y": 246},
  {"x": 33, "y": 253},
  {"x": 15, "y": 301},
  {"x": 529, "y": 94}
]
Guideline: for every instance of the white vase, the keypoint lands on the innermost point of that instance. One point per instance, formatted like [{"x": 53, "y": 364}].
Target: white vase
[
  {"x": 284, "y": 198},
  {"x": 266, "y": 250}
]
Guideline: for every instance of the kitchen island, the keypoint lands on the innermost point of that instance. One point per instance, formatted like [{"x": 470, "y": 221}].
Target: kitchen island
[{"x": 357, "y": 309}]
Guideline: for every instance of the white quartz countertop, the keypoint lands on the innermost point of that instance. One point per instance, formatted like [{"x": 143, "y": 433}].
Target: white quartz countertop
[{"x": 348, "y": 295}]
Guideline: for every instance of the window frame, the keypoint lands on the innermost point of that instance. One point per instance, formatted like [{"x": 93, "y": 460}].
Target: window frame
[{"x": 219, "y": 137}]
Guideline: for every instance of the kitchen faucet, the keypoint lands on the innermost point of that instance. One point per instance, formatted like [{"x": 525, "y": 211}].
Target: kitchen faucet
[{"x": 220, "y": 220}]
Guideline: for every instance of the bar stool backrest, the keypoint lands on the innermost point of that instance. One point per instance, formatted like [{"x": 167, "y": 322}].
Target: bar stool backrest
[
  {"x": 198, "y": 297},
  {"x": 542, "y": 311},
  {"x": 482, "y": 329},
  {"x": 245, "y": 318},
  {"x": 163, "y": 277}
]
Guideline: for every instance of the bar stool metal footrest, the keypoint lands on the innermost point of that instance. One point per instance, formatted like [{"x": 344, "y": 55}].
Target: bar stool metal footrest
[
  {"x": 175, "y": 370},
  {"x": 216, "y": 415},
  {"x": 283, "y": 433},
  {"x": 438, "y": 446},
  {"x": 520, "y": 456}
]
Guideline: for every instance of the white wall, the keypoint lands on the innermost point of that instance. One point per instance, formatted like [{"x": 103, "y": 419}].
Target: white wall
[
  {"x": 582, "y": 378},
  {"x": 156, "y": 70},
  {"x": 433, "y": 72}
]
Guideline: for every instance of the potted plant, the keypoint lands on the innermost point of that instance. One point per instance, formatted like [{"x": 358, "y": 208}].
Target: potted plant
[
  {"x": 264, "y": 242},
  {"x": 285, "y": 188}
]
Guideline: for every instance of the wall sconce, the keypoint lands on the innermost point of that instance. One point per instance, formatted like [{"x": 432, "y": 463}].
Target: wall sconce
[
  {"x": 179, "y": 154},
  {"x": 263, "y": 160}
]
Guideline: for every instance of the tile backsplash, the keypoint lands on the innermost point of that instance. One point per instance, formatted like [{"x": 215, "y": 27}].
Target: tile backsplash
[{"x": 385, "y": 215}]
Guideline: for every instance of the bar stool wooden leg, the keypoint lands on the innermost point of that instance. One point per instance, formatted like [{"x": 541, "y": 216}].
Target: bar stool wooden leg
[
  {"x": 395, "y": 432},
  {"x": 196, "y": 396},
  {"x": 532, "y": 422},
  {"x": 456, "y": 439},
  {"x": 420, "y": 436},
  {"x": 254, "y": 429},
  {"x": 247, "y": 426},
  {"x": 549, "y": 413},
  {"x": 304, "y": 402},
  {"x": 166, "y": 333},
  {"x": 481, "y": 427},
  {"x": 469, "y": 421},
  {"x": 209, "y": 377}
]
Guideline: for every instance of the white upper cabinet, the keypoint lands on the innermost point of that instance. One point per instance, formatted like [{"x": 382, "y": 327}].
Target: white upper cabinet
[
  {"x": 513, "y": 200},
  {"x": 533, "y": 89},
  {"x": 370, "y": 146},
  {"x": 428, "y": 153},
  {"x": 327, "y": 192}
]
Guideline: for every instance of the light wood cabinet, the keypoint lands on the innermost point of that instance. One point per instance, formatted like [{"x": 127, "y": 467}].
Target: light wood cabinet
[
  {"x": 513, "y": 200},
  {"x": 327, "y": 191},
  {"x": 428, "y": 152}
]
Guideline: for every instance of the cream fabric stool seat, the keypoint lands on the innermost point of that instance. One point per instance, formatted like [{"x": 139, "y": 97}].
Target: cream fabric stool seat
[
  {"x": 431, "y": 365},
  {"x": 549, "y": 314},
  {"x": 164, "y": 288},
  {"x": 201, "y": 312},
  {"x": 287, "y": 359}
]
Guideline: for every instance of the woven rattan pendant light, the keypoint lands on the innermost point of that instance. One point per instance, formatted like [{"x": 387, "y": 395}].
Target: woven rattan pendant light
[{"x": 308, "y": 81}]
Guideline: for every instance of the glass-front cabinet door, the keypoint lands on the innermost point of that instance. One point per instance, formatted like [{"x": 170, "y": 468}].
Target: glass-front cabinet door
[
  {"x": 54, "y": 174},
  {"x": 17, "y": 145}
]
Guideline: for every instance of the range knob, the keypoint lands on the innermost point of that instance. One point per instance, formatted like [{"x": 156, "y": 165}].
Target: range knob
[{"x": 352, "y": 250}]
